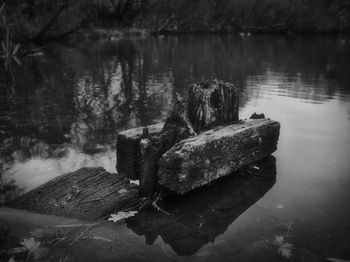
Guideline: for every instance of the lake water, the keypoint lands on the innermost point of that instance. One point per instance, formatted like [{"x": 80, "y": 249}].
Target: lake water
[{"x": 65, "y": 107}]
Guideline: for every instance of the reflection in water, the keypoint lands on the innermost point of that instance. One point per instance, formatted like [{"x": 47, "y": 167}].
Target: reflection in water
[
  {"x": 199, "y": 217},
  {"x": 79, "y": 96},
  {"x": 35, "y": 171},
  {"x": 65, "y": 109}
]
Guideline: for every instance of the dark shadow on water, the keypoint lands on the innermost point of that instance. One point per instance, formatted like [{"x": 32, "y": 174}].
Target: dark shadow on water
[{"x": 197, "y": 218}]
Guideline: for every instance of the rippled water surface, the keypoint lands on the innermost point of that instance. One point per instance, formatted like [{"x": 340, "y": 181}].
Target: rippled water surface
[{"x": 65, "y": 108}]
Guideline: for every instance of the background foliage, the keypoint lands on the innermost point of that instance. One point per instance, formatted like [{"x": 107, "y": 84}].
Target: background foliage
[{"x": 45, "y": 19}]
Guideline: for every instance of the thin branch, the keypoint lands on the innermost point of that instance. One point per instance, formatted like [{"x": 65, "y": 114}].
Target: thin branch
[
  {"x": 167, "y": 21},
  {"x": 73, "y": 30},
  {"x": 45, "y": 30}
]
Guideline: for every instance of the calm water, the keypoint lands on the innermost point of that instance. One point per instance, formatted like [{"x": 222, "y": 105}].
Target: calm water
[{"x": 66, "y": 107}]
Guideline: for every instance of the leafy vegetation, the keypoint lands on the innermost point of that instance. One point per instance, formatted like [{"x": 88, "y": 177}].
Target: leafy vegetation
[
  {"x": 121, "y": 215},
  {"x": 254, "y": 15},
  {"x": 9, "y": 49}
]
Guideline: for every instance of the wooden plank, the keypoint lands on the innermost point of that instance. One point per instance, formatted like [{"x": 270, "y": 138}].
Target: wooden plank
[
  {"x": 199, "y": 160},
  {"x": 86, "y": 193}
]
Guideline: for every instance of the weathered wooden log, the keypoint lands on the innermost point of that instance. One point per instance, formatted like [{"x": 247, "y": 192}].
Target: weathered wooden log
[
  {"x": 86, "y": 193},
  {"x": 152, "y": 147},
  {"x": 198, "y": 218},
  {"x": 197, "y": 161},
  {"x": 128, "y": 150},
  {"x": 212, "y": 103},
  {"x": 209, "y": 104}
]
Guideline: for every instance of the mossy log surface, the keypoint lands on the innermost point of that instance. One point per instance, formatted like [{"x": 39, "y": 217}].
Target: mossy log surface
[
  {"x": 199, "y": 160},
  {"x": 86, "y": 193}
]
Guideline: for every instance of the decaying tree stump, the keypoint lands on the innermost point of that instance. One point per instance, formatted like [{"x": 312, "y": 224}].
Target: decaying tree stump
[
  {"x": 212, "y": 103},
  {"x": 86, "y": 193},
  {"x": 152, "y": 147},
  {"x": 199, "y": 160}
]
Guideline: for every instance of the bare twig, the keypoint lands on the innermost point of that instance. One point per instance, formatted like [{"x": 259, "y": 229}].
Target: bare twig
[
  {"x": 73, "y": 30},
  {"x": 53, "y": 19}
]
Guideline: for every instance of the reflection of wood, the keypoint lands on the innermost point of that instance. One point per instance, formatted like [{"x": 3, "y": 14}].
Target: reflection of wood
[
  {"x": 212, "y": 103},
  {"x": 197, "y": 161},
  {"x": 86, "y": 193},
  {"x": 200, "y": 216}
]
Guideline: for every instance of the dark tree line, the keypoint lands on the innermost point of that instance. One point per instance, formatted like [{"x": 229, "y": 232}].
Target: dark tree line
[
  {"x": 48, "y": 19},
  {"x": 250, "y": 15}
]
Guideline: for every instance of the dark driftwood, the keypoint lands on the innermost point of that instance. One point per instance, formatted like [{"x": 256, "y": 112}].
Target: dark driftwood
[
  {"x": 199, "y": 160},
  {"x": 86, "y": 193},
  {"x": 152, "y": 147},
  {"x": 212, "y": 103},
  {"x": 128, "y": 150}
]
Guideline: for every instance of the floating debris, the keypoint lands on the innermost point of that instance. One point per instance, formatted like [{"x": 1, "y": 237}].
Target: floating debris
[
  {"x": 121, "y": 215},
  {"x": 284, "y": 248}
]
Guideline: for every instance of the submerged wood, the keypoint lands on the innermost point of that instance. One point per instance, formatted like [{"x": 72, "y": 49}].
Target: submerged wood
[
  {"x": 86, "y": 193},
  {"x": 212, "y": 103},
  {"x": 199, "y": 160}
]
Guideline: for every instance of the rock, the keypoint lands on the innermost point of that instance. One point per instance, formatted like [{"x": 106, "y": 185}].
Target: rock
[
  {"x": 212, "y": 103},
  {"x": 86, "y": 193},
  {"x": 199, "y": 160},
  {"x": 128, "y": 149}
]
